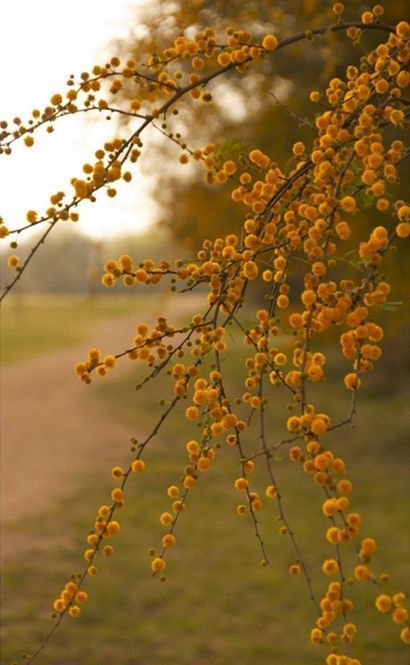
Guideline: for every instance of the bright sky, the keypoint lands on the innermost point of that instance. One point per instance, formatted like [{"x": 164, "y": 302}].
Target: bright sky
[{"x": 42, "y": 42}]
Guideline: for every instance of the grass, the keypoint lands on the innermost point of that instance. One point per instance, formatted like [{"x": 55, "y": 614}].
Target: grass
[
  {"x": 218, "y": 605},
  {"x": 32, "y": 325}
]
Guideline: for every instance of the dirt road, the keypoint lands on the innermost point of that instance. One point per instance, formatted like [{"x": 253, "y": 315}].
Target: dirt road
[{"x": 52, "y": 428}]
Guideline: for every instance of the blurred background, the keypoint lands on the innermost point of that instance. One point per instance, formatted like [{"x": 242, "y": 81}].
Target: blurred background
[{"x": 60, "y": 438}]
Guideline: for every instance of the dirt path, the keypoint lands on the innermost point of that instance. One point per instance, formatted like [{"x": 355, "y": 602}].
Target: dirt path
[{"x": 51, "y": 426}]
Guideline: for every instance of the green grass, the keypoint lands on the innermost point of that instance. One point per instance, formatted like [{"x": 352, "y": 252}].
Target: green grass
[
  {"x": 32, "y": 325},
  {"x": 218, "y": 605}
]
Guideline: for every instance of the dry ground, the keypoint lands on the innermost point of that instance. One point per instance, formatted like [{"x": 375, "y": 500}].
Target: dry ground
[{"x": 51, "y": 430}]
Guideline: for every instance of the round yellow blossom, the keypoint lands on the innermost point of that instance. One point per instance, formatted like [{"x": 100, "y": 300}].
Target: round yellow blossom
[
  {"x": 137, "y": 466},
  {"x": 361, "y": 572},
  {"x": 399, "y": 598},
  {"x": 403, "y": 229},
  {"x": 250, "y": 270},
  {"x": 270, "y": 42},
  {"x": 241, "y": 484},
  {"x": 280, "y": 359},
  {"x": 318, "y": 426},
  {"x": 224, "y": 59},
  {"x": 113, "y": 528},
  {"x": 271, "y": 491},
  {"x": 352, "y": 381},
  {"x": 229, "y": 167},
  {"x": 169, "y": 540},
  {"x": 330, "y": 567},
  {"x": 383, "y": 603},
  {"x": 173, "y": 492},
  {"x": 345, "y": 486},
  {"x": 166, "y": 519},
  {"x": 110, "y": 361},
  {"x": 367, "y": 547},
  {"x": 192, "y": 413},
  {"x": 403, "y": 29},
  {"x": 348, "y": 204},
  {"x": 74, "y": 611},
  {"x": 282, "y": 301},
  {"x": 13, "y": 261},
  {"x": 400, "y": 615},
  {"x": 298, "y": 148},
  {"x": 405, "y": 635},
  {"x": 158, "y": 565},
  {"x": 58, "y": 605},
  {"x": 315, "y": 373},
  {"x": 135, "y": 104},
  {"x": 330, "y": 507},
  {"x": 338, "y": 8},
  {"x": 81, "y": 597},
  {"x": 293, "y": 424},
  {"x": 117, "y": 472},
  {"x": 316, "y": 636},
  {"x": 117, "y": 494},
  {"x": 56, "y": 99}
]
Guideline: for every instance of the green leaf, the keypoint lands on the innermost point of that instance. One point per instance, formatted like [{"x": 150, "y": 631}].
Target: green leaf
[
  {"x": 391, "y": 305},
  {"x": 229, "y": 149}
]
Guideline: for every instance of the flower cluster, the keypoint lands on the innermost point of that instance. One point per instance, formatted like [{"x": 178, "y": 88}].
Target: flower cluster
[{"x": 307, "y": 213}]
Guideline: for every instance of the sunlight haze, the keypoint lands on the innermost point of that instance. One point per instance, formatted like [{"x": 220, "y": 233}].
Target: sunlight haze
[{"x": 43, "y": 43}]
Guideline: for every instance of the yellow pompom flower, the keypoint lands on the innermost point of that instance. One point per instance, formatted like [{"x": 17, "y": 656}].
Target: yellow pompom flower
[
  {"x": 405, "y": 635},
  {"x": 338, "y": 8},
  {"x": 383, "y": 603},
  {"x": 192, "y": 413},
  {"x": 229, "y": 167},
  {"x": 241, "y": 484},
  {"x": 137, "y": 466},
  {"x": 330, "y": 567},
  {"x": 271, "y": 491},
  {"x": 56, "y": 99},
  {"x": 166, "y": 519},
  {"x": 13, "y": 261},
  {"x": 173, "y": 492},
  {"x": 110, "y": 361},
  {"x": 348, "y": 204},
  {"x": 250, "y": 270},
  {"x": 117, "y": 494},
  {"x": 298, "y": 148},
  {"x": 403, "y": 229},
  {"x": 270, "y": 42},
  {"x": 224, "y": 59},
  {"x": 58, "y": 605},
  {"x": 169, "y": 540},
  {"x": 81, "y": 597},
  {"x": 330, "y": 507},
  {"x": 158, "y": 565},
  {"x": 400, "y": 615},
  {"x": 113, "y": 528},
  {"x": 352, "y": 381}
]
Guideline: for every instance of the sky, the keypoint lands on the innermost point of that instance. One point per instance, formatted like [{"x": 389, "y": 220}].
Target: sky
[{"x": 42, "y": 43}]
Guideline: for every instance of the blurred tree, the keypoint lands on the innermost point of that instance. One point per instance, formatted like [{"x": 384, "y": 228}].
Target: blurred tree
[{"x": 243, "y": 110}]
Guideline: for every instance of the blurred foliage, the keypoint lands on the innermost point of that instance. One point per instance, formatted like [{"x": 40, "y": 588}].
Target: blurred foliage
[
  {"x": 74, "y": 262},
  {"x": 266, "y": 108}
]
